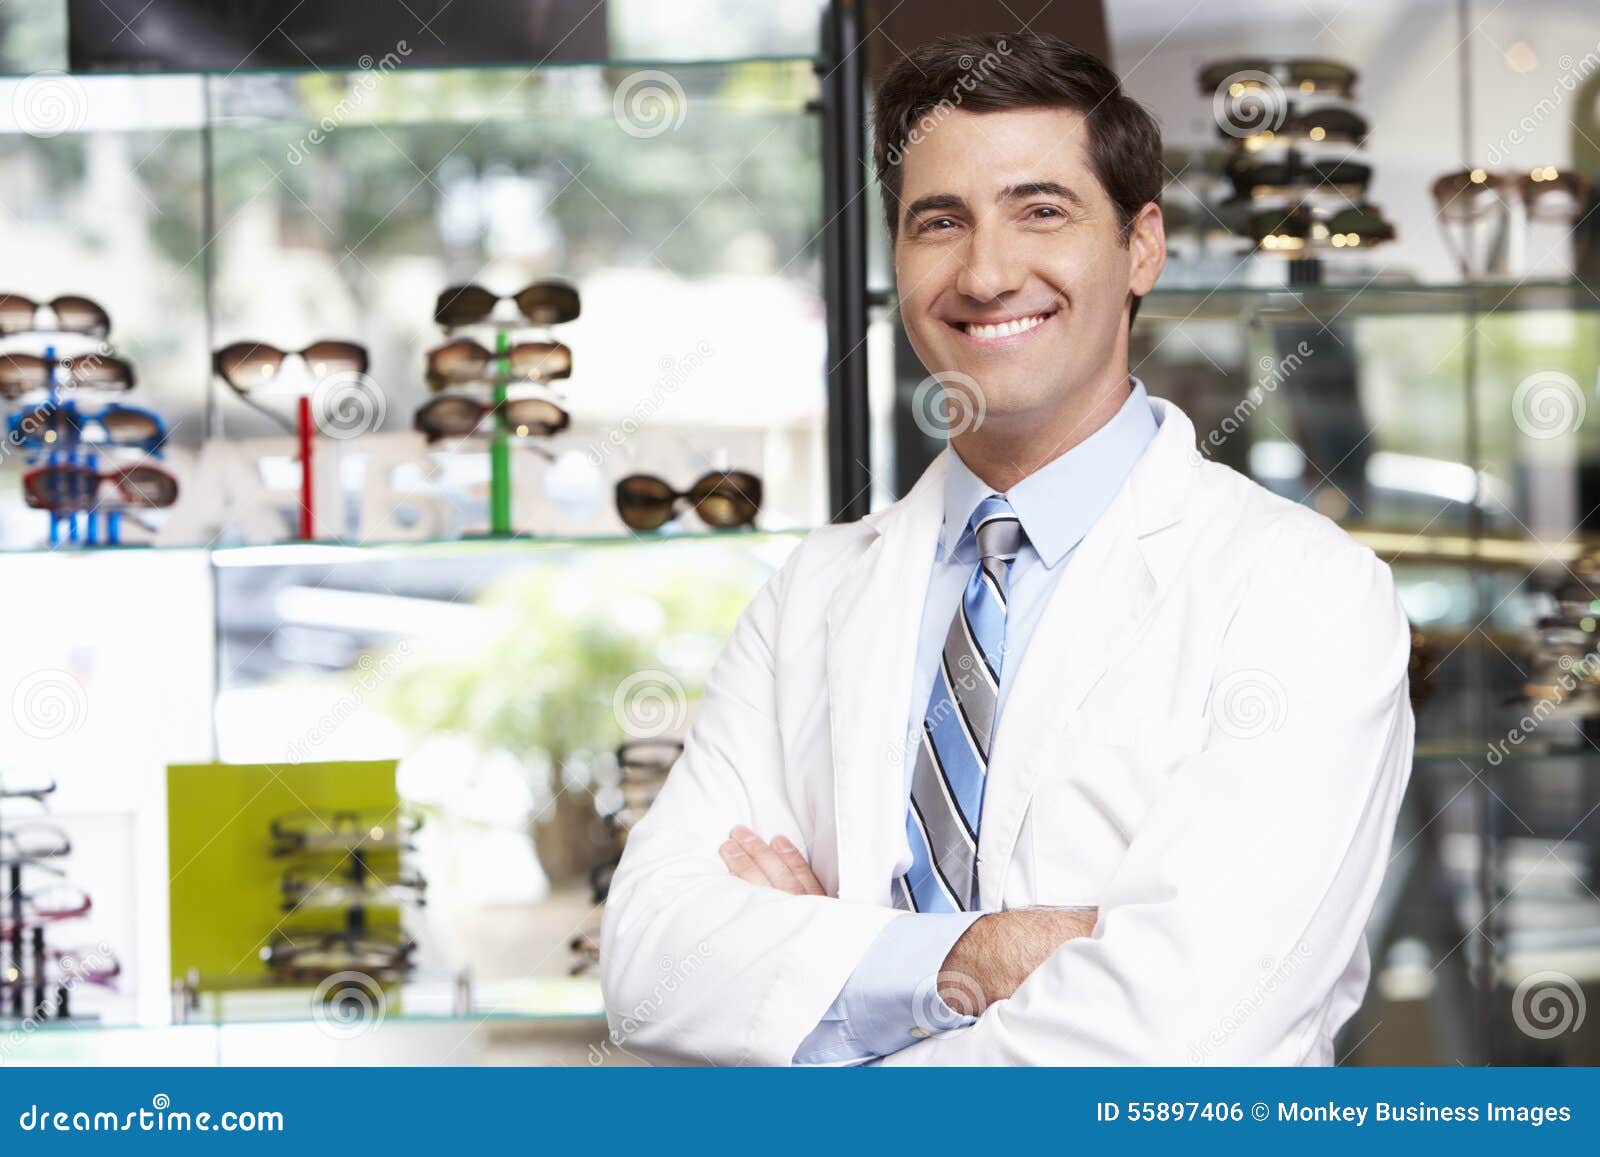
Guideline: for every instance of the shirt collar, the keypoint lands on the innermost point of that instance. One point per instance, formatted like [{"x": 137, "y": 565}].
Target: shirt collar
[{"x": 1060, "y": 501}]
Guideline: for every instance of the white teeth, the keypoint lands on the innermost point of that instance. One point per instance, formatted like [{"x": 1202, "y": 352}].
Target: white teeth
[{"x": 1005, "y": 328}]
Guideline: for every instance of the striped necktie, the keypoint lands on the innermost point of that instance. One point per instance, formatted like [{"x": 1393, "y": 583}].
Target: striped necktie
[{"x": 958, "y": 727}]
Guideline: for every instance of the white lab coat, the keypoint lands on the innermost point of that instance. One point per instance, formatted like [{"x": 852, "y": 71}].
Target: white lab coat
[{"x": 1207, "y": 739}]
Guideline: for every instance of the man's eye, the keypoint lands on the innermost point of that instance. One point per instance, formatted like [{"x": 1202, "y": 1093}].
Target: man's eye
[
  {"x": 932, "y": 225},
  {"x": 1045, "y": 212}
]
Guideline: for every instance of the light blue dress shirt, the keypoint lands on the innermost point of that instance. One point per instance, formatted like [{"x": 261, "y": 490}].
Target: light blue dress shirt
[{"x": 873, "y": 1015}]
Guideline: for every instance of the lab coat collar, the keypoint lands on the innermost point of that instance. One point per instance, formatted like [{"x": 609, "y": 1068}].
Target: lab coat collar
[{"x": 1060, "y": 500}]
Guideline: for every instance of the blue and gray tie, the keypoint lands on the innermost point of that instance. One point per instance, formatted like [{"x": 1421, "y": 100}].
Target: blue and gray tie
[{"x": 953, "y": 757}]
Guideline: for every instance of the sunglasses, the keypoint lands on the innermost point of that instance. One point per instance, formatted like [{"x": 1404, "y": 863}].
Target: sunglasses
[
  {"x": 1299, "y": 228},
  {"x": 69, "y": 488},
  {"x": 20, "y": 373},
  {"x": 244, "y": 365},
  {"x": 46, "y": 427},
  {"x": 455, "y": 416},
  {"x": 36, "y": 792},
  {"x": 73, "y": 314},
  {"x": 1473, "y": 194},
  {"x": 319, "y": 954},
  {"x": 27, "y": 843},
  {"x": 315, "y": 890},
  {"x": 344, "y": 831},
  {"x": 1318, "y": 126},
  {"x": 542, "y": 303},
  {"x": 724, "y": 498},
  {"x": 465, "y": 360},
  {"x": 91, "y": 965},
  {"x": 1295, "y": 176},
  {"x": 645, "y": 757},
  {"x": 47, "y": 905},
  {"x": 1307, "y": 76}
]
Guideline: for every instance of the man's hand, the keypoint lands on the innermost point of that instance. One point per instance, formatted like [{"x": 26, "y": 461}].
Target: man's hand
[
  {"x": 990, "y": 961},
  {"x": 777, "y": 865},
  {"x": 999, "y": 951}
]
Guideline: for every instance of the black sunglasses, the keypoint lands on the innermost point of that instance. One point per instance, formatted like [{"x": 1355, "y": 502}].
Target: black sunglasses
[
  {"x": 457, "y": 416},
  {"x": 1293, "y": 175},
  {"x": 723, "y": 498},
  {"x": 542, "y": 303},
  {"x": 19, "y": 314}
]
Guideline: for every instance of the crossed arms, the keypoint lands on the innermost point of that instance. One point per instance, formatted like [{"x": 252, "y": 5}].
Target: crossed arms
[{"x": 1220, "y": 936}]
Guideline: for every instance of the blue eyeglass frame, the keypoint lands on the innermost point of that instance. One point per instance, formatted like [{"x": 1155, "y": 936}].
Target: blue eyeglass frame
[{"x": 34, "y": 440}]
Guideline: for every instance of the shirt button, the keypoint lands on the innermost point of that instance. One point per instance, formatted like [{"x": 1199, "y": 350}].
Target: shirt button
[{"x": 920, "y": 1033}]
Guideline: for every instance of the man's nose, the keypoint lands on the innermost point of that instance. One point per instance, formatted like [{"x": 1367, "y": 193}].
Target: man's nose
[{"x": 990, "y": 266}]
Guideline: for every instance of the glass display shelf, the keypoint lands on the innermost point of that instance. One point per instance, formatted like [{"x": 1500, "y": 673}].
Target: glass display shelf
[
  {"x": 633, "y": 62},
  {"x": 328, "y": 550},
  {"x": 432, "y": 1000},
  {"x": 1359, "y": 299},
  {"x": 1452, "y": 755},
  {"x": 549, "y": 1021},
  {"x": 1369, "y": 299},
  {"x": 1413, "y": 546},
  {"x": 1396, "y": 544}
]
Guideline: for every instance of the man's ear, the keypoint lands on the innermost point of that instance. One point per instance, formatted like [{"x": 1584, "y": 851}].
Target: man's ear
[{"x": 1147, "y": 244}]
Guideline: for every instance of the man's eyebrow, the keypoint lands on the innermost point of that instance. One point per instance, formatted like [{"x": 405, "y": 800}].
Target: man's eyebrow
[
  {"x": 950, "y": 201},
  {"x": 1040, "y": 189},
  {"x": 934, "y": 201}
]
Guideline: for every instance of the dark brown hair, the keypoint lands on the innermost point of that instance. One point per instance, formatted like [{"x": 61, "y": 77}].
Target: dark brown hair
[{"x": 992, "y": 73}]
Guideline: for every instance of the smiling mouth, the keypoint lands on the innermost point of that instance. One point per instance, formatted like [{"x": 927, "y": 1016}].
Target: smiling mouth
[{"x": 996, "y": 331}]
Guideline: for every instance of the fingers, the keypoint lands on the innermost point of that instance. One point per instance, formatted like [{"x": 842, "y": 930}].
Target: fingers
[
  {"x": 798, "y": 866},
  {"x": 771, "y": 865},
  {"x": 739, "y": 863},
  {"x": 752, "y": 859}
]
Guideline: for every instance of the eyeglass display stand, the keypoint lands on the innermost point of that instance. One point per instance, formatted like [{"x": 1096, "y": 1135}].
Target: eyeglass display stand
[
  {"x": 72, "y": 453},
  {"x": 21, "y": 944},
  {"x": 500, "y": 447},
  {"x": 304, "y": 431}
]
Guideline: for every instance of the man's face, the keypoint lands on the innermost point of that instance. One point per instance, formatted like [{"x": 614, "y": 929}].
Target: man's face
[{"x": 1009, "y": 260}]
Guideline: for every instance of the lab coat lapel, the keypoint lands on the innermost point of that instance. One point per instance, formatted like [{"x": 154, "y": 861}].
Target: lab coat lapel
[
  {"x": 874, "y": 619},
  {"x": 1102, "y": 601}
]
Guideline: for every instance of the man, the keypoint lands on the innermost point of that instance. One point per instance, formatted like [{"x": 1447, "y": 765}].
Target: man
[{"x": 1088, "y": 750}]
